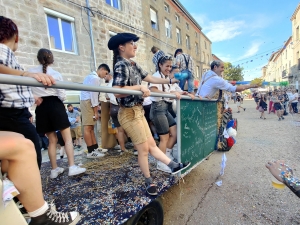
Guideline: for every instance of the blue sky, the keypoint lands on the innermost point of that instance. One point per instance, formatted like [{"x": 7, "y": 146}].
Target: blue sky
[{"x": 242, "y": 30}]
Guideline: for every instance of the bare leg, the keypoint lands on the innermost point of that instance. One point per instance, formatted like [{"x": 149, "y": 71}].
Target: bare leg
[
  {"x": 163, "y": 142},
  {"x": 156, "y": 152},
  {"x": 173, "y": 137},
  {"x": 121, "y": 137},
  {"x": 68, "y": 145},
  {"x": 143, "y": 150},
  {"x": 89, "y": 135},
  {"x": 52, "y": 148},
  {"x": 20, "y": 153}
]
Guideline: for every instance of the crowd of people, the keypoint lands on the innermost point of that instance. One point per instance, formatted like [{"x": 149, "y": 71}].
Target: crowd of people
[{"x": 19, "y": 137}]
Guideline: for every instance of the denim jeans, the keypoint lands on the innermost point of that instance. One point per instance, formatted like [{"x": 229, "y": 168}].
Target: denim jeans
[
  {"x": 190, "y": 80},
  {"x": 294, "y": 106}
]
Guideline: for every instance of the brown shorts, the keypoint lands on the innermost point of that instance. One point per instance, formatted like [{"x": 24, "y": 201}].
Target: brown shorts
[
  {"x": 134, "y": 123},
  {"x": 76, "y": 132},
  {"x": 87, "y": 113}
]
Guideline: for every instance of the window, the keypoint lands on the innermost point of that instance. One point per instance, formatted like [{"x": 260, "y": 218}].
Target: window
[
  {"x": 167, "y": 8},
  {"x": 196, "y": 34},
  {"x": 205, "y": 44},
  {"x": 187, "y": 41},
  {"x": 197, "y": 72},
  {"x": 168, "y": 28},
  {"x": 114, "y": 3},
  {"x": 178, "y": 35},
  {"x": 196, "y": 48},
  {"x": 153, "y": 17},
  {"x": 61, "y": 31},
  {"x": 177, "y": 18},
  {"x": 203, "y": 57},
  {"x": 187, "y": 26},
  {"x": 208, "y": 59}
]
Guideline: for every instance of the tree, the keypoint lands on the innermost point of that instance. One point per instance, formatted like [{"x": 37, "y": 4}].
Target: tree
[{"x": 232, "y": 72}]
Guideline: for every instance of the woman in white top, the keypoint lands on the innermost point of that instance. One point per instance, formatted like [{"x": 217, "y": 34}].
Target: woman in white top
[
  {"x": 51, "y": 115},
  {"x": 162, "y": 119}
]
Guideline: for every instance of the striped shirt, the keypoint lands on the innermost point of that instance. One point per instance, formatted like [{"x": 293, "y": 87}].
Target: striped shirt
[{"x": 13, "y": 96}]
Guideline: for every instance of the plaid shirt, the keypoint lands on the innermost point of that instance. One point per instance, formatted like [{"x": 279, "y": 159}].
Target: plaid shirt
[
  {"x": 182, "y": 65},
  {"x": 13, "y": 96},
  {"x": 156, "y": 57},
  {"x": 128, "y": 73}
]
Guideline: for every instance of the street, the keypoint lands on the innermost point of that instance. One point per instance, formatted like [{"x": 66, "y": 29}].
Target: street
[{"x": 246, "y": 195}]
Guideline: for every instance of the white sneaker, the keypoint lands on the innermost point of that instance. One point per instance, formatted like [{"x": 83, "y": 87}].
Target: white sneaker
[
  {"x": 117, "y": 147},
  {"x": 101, "y": 150},
  {"x": 94, "y": 154},
  {"x": 169, "y": 154},
  {"x": 75, "y": 170},
  {"x": 163, "y": 167},
  {"x": 56, "y": 172}
]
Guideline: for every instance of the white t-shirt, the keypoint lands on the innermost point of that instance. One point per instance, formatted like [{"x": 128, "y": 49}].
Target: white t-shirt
[
  {"x": 212, "y": 85},
  {"x": 147, "y": 101},
  {"x": 112, "y": 97},
  {"x": 43, "y": 92},
  {"x": 159, "y": 87},
  {"x": 295, "y": 96}
]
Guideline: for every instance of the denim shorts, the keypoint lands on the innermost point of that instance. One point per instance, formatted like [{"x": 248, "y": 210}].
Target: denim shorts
[{"x": 161, "y": 117}]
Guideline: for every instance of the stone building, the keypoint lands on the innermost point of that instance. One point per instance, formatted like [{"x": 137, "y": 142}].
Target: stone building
[
  {"x": 170, "y": 26},
  {"x": 280, "y": 63},
  {"x": 79, "y": 46},
  {"x": 284, "y": 64}
]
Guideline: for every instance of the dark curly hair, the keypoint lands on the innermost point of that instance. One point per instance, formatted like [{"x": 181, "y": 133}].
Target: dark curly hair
[
  {"x": 45, "y": 57},
  {"x": 7, "y": 29}
]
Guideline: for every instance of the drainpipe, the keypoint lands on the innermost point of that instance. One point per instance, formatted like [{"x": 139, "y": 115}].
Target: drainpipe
[{"x": 91, "y": 35}]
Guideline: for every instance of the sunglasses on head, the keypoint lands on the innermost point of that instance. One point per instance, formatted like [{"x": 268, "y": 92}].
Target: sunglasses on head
[{"x": 164, "y": 58}]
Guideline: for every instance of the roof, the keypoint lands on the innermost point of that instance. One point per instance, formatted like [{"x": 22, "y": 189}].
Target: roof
[
  {"x": 295, "y": 12},
  {"x": 187, "y": 13},
  {"x": 216, "y": 57}
]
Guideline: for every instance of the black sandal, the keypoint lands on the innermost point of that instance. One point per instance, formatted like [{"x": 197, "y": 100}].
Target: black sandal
[{"x": 151, "y": 189}]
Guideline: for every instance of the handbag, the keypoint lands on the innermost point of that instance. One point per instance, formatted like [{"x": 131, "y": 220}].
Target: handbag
[{"x": 260, "y": 109}]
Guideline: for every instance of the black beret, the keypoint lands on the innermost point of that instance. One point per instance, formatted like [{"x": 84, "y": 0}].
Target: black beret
[
  {"x": 177, "y": 50},
  {"x": 121, "y": 38}
]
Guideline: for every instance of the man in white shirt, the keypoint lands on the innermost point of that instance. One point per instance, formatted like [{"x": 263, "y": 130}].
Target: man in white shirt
[
  {"x": 212, "y": 81},
  {"x": 89, "y": 102},
  {"x": 294, "y": 101}
]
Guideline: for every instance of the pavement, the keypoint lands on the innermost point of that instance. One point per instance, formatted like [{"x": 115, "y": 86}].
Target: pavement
[{"x": 246, "y": 195}]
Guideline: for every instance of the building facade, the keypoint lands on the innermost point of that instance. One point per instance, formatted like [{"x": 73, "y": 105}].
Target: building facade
[
  {"x": 279, "y": 67},
  {"x": 284, "y": 64},
  {"x": 78, "y": 33}
]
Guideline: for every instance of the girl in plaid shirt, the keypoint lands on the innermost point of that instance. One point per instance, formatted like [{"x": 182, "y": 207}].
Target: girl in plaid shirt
[{"x": 129, "y": 75}]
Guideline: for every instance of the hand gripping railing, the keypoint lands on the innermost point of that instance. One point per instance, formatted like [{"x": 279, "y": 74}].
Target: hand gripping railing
[{"x": 28, "y": 81}]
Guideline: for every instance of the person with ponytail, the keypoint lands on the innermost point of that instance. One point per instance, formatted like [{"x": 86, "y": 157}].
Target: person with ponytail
[
  {"x": 51, "y": 115},
  {"x": 162, "y": 119},
  {"x": 128, "y": 75},
  {"x": 19, "y": 140},
  {"x": 16, "y": 99}
]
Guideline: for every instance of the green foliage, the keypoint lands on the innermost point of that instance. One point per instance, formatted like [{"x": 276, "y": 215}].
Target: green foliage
[{"x": 233, "y": 72}]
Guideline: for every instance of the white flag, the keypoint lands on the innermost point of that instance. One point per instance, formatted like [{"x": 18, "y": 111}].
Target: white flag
[{"x": 225, "y": 133}]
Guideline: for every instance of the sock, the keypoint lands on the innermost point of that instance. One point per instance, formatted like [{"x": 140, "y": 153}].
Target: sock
[
  {"x": 95, "y": 146},
  {"x": 90, "y": 148},
  {"x": 71, "y": 167},
  {"x": 39, "y": 211},
  {"x": 148, "y": 180},
  {"x": 173, "y": 164}
]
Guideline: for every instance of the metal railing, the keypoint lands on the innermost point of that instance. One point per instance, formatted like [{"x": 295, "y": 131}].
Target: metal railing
[{"x": 28, "y": 81}]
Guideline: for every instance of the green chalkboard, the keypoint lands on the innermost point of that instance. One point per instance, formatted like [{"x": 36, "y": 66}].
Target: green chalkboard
[{"x": 197, "y": 129}]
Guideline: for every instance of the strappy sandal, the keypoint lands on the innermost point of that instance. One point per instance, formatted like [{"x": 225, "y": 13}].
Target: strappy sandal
[{"x": 151, "y": 189}]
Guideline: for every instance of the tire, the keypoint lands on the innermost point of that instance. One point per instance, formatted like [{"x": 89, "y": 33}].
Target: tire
[{"x": 151, "y": 214}]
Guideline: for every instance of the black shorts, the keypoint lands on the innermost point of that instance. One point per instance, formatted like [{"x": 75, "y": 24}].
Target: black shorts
[
  {"x": 277, "y": 106},
  {"x": 114, "y": 110},
  {"x": 51, "y": 115},
  {"x": 147, "y": 109}
]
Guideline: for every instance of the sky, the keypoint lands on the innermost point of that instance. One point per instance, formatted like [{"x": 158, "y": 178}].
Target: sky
[{"x": 241, "y": 31}]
